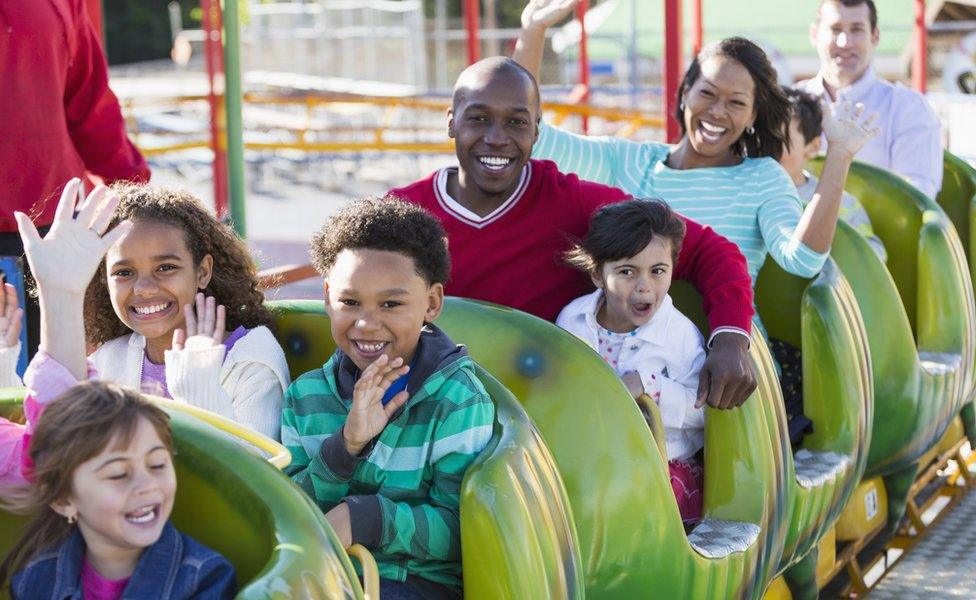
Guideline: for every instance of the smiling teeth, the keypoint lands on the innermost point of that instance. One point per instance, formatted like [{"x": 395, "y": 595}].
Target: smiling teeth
[
  {"x": 148, "y": 310},
  {"x": 495, "y": 162},
  {"x": 146, "y": 514},
  {"x": 370, "y": 348},
  {"x": 712, "y": 128}
]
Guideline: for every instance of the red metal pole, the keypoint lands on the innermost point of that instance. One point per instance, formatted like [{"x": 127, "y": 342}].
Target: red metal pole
[
  {"x": 584, "y": 60},
  {"x": 471, "y": 8},
  {"x": 920, "y": 60},
  {"x": 696, "y": 26},
  {"x": 94, "y": 8},
  {"x": 672, "y": 66},
  {"x": 213, "y": 50}
]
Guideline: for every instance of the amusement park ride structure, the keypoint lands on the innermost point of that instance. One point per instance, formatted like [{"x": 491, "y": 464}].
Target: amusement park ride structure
[{"x": 226, "y": 97}]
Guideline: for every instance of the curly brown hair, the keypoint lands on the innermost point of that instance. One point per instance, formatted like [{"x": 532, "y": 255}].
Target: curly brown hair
[
  {"x": 389, "y": 224},
  {"x": 234, "y": 281}
]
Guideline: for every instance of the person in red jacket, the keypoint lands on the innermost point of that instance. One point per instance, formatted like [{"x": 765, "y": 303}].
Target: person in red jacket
[
  {"x": 59, "y": 117},
  {"x": 510, "y": 218}
]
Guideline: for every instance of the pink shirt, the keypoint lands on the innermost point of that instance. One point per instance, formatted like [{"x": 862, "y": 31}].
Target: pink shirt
[
  {"x": 96, "y": 587},
  {"x": 46, "y": 379}
]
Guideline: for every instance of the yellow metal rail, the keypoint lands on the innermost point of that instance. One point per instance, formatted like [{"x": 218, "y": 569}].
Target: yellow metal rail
[{"x": 370, "y": 138}]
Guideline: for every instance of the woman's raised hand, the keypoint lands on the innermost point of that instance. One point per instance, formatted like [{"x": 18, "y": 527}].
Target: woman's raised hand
[
  {"x": 546, "y": 13},
  {"x": 205, "y": 323},
  {"x": 11, "y": 317},
  {"x": 65, "y": 260},
  {"x": 846, "y": 126}
]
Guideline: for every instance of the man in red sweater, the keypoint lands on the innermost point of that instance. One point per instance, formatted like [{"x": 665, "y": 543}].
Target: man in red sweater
[
  {"x": 509, "y": 219},
  {"x": 59, "y": 117}
]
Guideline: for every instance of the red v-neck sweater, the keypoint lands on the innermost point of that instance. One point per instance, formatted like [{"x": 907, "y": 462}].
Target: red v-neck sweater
[{"x": 513, "y": 257}]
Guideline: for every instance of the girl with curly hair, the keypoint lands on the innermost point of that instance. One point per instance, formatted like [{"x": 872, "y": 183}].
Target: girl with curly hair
[{"x": 174, "y": 310}]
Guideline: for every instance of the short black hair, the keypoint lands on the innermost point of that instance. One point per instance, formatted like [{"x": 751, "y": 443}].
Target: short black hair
[
  {"x": 872, "y": 9},
  {"x": 769, "y": 102},
  {"x": 623, "y": 229},
  {"x": 495, "y": 65},
  {"x": 805, "y": 108},
  {"x": 388, "y": 224}
]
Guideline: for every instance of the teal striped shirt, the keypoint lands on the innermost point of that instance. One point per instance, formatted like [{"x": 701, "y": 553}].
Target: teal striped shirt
[
  {"x": 411, "y": 477},
  {"x": 754, "y": 204}
]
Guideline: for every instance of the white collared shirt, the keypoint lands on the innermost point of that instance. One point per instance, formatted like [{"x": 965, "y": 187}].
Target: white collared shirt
[
  {"x": 667, "y": 353},
  {"x": 910, "y": 141}
]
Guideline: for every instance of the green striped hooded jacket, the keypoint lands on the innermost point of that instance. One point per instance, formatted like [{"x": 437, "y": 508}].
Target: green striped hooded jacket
[{"x": 403, "y": 490}]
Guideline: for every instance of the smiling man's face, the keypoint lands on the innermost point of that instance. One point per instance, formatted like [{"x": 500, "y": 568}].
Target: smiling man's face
[
  {"x": 845, "y": 42},
  {"x": 494, "y": 123}
]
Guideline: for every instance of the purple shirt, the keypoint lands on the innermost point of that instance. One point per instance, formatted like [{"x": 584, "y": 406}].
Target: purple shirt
[{"x": 154, "y": 376}]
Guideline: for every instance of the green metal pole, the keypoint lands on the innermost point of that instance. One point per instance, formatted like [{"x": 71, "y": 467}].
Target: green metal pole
[{"x": 235, "y": 128}]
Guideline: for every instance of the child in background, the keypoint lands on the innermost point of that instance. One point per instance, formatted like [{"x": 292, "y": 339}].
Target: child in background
[
  {"x": 382, "y": 434},
  {"x": 12, "y": 435},
  {"x": 629, "y": 253},
  {"x": 804, "y": 132},
  {"x": 156, "y": 309},
  {"x": 101, "y": 456}
]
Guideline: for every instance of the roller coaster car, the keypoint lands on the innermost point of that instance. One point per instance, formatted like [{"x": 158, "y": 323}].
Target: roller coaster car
[
  {"x": 517, "y": 532},
  {"x": 235, "y": 502},
  {"x": 631, "y": 539},
  {"x": 821, "y": 317},
  {"x": 958, "y": 200},
  {"x": 919, "y": 315}
]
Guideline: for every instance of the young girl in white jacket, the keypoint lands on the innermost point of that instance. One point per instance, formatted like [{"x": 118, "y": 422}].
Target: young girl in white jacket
[
  {"x": 630, "y": 321},
  {"x": 174, "y": 310}
]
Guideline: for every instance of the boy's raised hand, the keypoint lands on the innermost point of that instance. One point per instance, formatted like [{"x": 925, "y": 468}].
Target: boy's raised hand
[
  {"x": 65, "y": 260},
  {"x": 368, "y": 415},
  {"x": 205, "y": 324},
  {"x": 846, "y": 127},
  {"x": 11, "y": 317},
  {"x": 546, "y": 13}
]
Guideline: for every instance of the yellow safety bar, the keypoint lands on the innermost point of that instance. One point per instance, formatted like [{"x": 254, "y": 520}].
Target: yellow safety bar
[
  {"x": 278, "y": 455},
  {"x": 371, "y": 573}
]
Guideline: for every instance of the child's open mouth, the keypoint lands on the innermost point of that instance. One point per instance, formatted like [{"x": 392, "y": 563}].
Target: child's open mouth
[
  {"x": 642, "y": 308},
  {"x": 143, "y": 515},
  {"x": 369, "y": 349}
]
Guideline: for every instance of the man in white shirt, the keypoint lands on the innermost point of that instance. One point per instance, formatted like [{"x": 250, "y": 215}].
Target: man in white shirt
[{"x": 845, "y": 35}]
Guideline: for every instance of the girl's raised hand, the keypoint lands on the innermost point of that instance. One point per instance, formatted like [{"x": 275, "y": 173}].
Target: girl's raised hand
[
  {"x": 65, "y": 260},
  {"x": 368, "y": 415},
  {"x": 846, "y": 126},
  {"x": 205, "y": 324},
  {"x": 11, "y": 317},
  {"x": 546, "y": 13}
]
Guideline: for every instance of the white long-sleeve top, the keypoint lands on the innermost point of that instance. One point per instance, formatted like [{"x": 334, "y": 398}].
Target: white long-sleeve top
[
  {"x": 667, "y": 353},
  {"x": 248, "y": 386},
  {"x": 910, "y": 141}
]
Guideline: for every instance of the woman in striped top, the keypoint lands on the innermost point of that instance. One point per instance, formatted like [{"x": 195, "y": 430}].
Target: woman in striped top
[{"x": 724, "y": 171}]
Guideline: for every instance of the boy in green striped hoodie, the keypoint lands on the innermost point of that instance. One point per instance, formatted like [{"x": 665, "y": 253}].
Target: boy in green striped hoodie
[{"x": 382, "y": 434}]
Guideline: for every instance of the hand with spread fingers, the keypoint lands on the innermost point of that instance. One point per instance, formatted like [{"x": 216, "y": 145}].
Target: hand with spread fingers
[
  {"x": 368, "y": 415},
  {"x": 65, "y": 260},
  {"x": 847, "y": 127},
  {"x": 546, "y": 13},
  {"x": 11, "y": 317},
  {"x": 204, "y": 327}
]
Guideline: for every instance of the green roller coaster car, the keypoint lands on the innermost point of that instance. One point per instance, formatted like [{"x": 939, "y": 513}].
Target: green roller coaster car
[
  {"x": 235, "y": 502},
  {"x": 630, "y": 534},
  {"x": 958, "y": 200},
  {"x": 821, "y": 317},
  {"x": 919, "y": 314}
]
